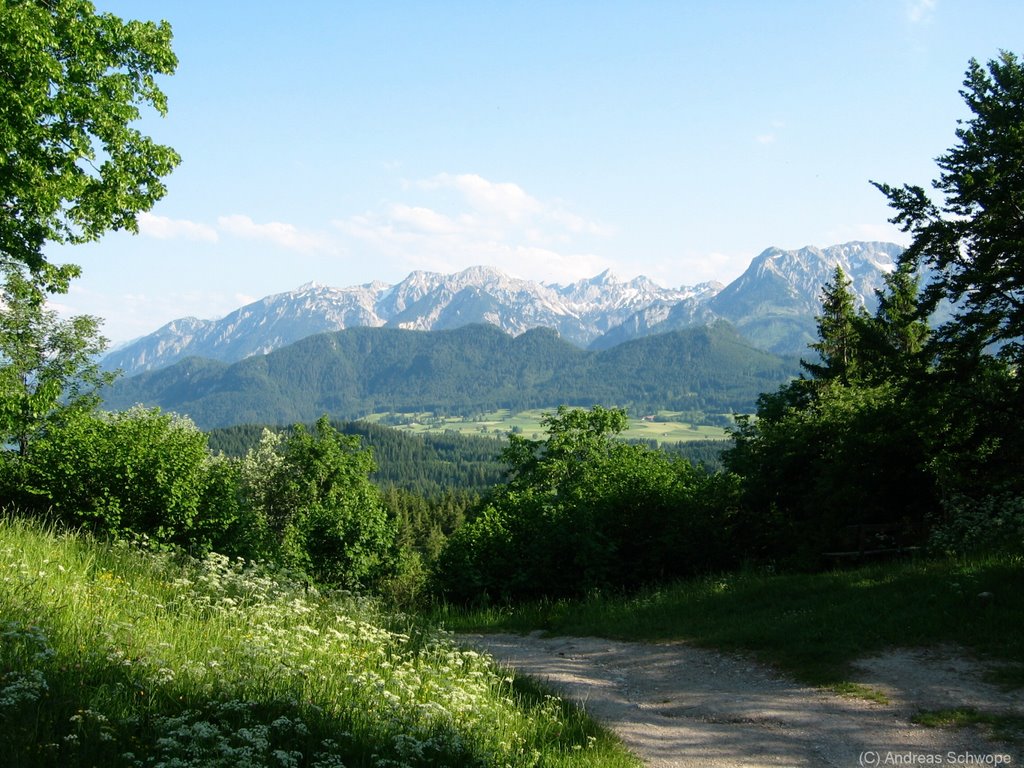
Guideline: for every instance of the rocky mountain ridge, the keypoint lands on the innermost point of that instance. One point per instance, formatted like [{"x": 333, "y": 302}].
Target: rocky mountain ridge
[{"x": 773, "y": 305}]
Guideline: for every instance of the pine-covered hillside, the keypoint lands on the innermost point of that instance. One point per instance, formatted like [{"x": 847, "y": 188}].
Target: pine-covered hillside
[{"x": 351, "y": 373}]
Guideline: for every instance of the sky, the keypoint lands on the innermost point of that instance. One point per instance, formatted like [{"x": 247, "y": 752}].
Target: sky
[{"x": 346, "y": 142}]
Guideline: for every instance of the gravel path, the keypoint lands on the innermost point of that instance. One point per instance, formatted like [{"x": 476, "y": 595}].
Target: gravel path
[{"x": 676, "y": 705}]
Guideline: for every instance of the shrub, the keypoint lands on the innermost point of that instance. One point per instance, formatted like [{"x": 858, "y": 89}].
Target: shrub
[
  {"x": 585, "y": 512},
  {"x": 135, "y": 473},
  {"x": 993, "y": 524},
  {"x": 312, "y": 492},
  {"x": 822, "y": 457}
]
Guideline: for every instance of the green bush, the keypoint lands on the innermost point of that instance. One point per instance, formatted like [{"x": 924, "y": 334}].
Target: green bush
[
  {"x": 822, "y": 457},
  {"x": 304, "y": 499},
  {"x": 312, "y": 494},
  {"x": 584, "y": 512},
  {"x": 990, "y": 525},
  {"x": 135, "y": 473},
  {"x": 485, "y": 558}
]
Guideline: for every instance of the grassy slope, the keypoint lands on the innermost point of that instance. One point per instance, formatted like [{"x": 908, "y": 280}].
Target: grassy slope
[
  {"x": 111, "y": 656},
  {"x": 811, "y": 626}
]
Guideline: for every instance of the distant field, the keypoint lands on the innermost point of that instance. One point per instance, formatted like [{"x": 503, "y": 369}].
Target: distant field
[{"x": 527, "y": 423}]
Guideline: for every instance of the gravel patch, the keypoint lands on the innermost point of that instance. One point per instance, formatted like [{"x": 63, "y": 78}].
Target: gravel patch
[{"x": 675, "y": 705}]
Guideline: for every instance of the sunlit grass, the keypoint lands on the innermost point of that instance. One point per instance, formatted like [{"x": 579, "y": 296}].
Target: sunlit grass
[
  {"x": 1003, "y": 727},
  {"x": 111, "y": 656}
]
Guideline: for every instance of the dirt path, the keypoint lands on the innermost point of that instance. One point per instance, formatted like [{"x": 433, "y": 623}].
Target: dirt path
[{"x": 680, "y": 706}]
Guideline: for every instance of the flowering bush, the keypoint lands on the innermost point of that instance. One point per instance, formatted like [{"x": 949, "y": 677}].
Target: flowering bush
[
  {"x": 992, "y": 524},
  {"x": 312, "y": 492}
]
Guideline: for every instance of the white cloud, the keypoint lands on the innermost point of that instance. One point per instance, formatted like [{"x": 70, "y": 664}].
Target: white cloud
[
  {"x": 578, "y": 225},
  {"x": 461, "y": 220},
  {"x": 692, "y": 267},
  {"x": 769, "y": 137},
  {"x": 286, "y": 236},
  {"x": 879, "y": 232},
  {"x": 919, "y": 11},
  {"x": 503, "y": 199},
  {"x": 507, "y": 207},
  {"x": 164, "y": 228},
  {"x": 129, "y": 315},
  {"x": 425, "y": 220},
  {"x": 553, "y": 266},
  {"x": 242, "y": 299}
]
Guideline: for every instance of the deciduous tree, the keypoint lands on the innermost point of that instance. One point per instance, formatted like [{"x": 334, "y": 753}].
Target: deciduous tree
[
  {"x": 72, "y": 164},
  {"x": 583, "y": 510},
  {"x": 313, "y": 490},
  {"x": 46, "y": 364}
]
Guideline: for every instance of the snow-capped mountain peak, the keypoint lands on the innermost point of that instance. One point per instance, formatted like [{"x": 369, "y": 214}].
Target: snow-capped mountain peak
[{"x": 773, "y": 303}]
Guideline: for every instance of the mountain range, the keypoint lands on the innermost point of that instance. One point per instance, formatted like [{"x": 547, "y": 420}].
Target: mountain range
[{"x": 772, "y": 305}]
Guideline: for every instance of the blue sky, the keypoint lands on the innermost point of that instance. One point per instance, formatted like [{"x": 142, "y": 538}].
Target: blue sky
[{"x": 344, "y": 142}]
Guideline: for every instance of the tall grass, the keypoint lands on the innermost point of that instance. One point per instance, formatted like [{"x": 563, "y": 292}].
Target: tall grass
[
  {"x": 111, "y": 656},
  {"x": 810, "y": 625}
]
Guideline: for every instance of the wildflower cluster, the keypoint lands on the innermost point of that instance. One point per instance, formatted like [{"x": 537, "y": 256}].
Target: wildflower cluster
[{"x": 130, "y": 658}]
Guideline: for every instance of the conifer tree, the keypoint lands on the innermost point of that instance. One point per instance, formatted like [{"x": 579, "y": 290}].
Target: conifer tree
[
  {"x": 973, "y": 238},
  {"x": 894, "y": 340},
  {"x": 838, "y": 336}
]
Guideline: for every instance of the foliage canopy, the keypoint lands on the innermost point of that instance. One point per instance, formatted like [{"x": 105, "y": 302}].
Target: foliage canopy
[
  {"x": 311, "y": 489},
  {"x": 898, "y": 424},
  {"x": 973, "y": 238},
  {"x": 47, "y": 365},
  {"x": 583, "y": 511},
  {"x": 132, "y": 474},
  {"x": 972, "y": 242},
  {"x": 72, "y": 165}
]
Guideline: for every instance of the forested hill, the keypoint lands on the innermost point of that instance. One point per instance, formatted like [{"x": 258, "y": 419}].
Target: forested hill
[
  {"x": 357, "y": 371},
  {"x": 427, "y": 464}
]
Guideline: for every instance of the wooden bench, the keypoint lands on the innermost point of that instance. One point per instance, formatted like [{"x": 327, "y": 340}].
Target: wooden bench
[{"x": 871, "y": 540}]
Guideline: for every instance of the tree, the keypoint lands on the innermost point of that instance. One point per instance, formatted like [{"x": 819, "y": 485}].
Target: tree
[
  {"x": 849, "y": 456},
  {"x": 974, "y": 237},
  {"x": 72, "y": 166},
  {"x": 894, "y": 340},
  {"x": 582, "y": 510},
  {"x": 838, "y": 343},
  {"x": 47, "y": 365},
  {"x": 576, "y": 439},
  {"x": 313, "y": 490},
  {"x": 134, "y": 473},
  {"x": 844, "y": 447}
]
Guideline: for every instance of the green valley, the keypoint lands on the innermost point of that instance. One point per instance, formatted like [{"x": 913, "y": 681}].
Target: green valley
[
  {"x": 663, "y": 427},
  {"x": 469, "y": 370}
]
